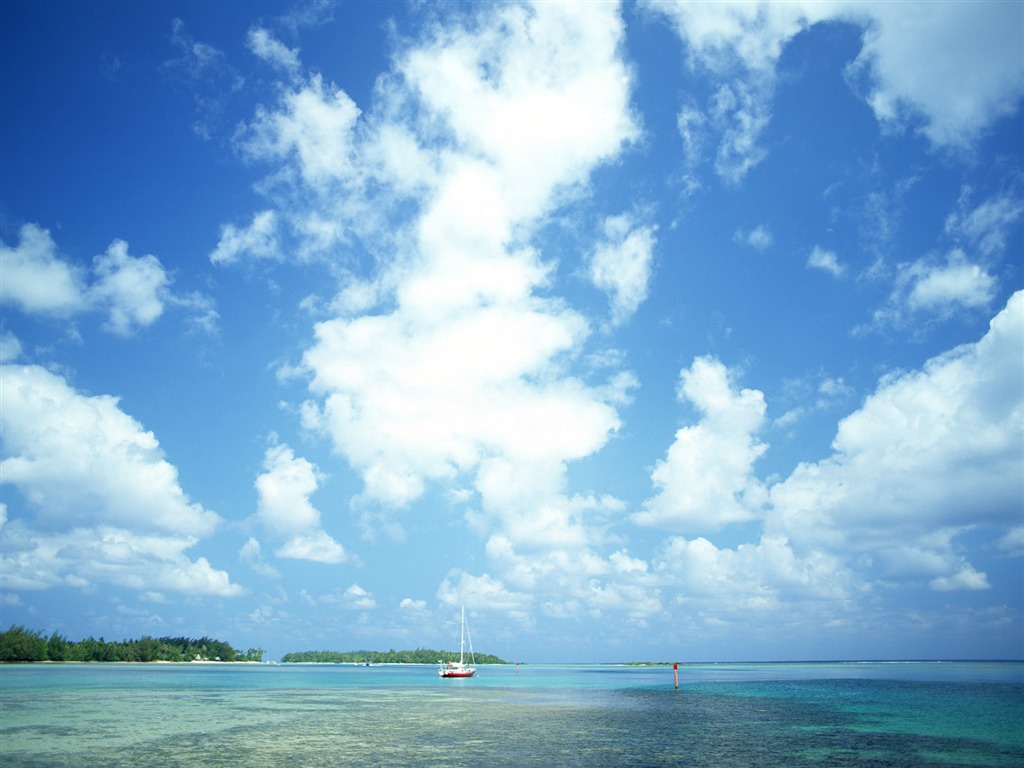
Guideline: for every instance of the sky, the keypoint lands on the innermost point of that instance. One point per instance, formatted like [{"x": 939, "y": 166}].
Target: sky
[{"x": 644, "y": 331}]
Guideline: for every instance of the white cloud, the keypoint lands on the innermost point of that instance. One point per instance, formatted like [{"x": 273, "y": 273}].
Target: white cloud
[
  {"x": 814, "y": 393},
  {"x": 932, "y": 289},
  {"x": 538, "y": 90},
  {"x": 740, "y": 111},
  {"x": 937, "y": 287},
  {"x": 759, "y": 237},
  {"x": 408, "y": 401},
  {"x": 485, "y": 593},
  {"x": 85, "y": 467},
  {"x": 205, "y": 70},
  {"x": 316, "y": 546},
  {"x": 136, "y": 562},
  {"x": 636, "y": 602},
  {"x": 967, "y": 578},
  {"x": 706, "y": 480},
  {"x": 739, "y": 44},
  {"x": 312, "y": 14},
  {"x": 757, "y": 576},
  {"x": 132, "y": 291},
  {"x": 623, "y": 563},
  {"x": 1013, "y": 542},
  {"x": 964, "y": 280},
  {"x": 87, "y": 555},
  {"x": 957, "y": 65},
  {"x": 984, "y": 229},
  {"x": 507, "y": 114},
  {"x": 78, "y": 457},
  {"x": 197, "y": 58},
  {"x": 621, "y": 265},
  {"x": 272, "y": 50},
  {"x": 826, "y": 261},
  {"x": 10, "y": 347},
  {"x": 284, "y": 508},
  {"x": 454, "y": 354},
  {"x": 951, "y": 71},
  {"x": 251, "y": 553},
  {"x": 314, "y": 128},
  {"x": 929, "y": 455},
  {"x": 258, "y": 240},
  {"x": 357, "y": 598},
  {"x": 37, "y": 280}
]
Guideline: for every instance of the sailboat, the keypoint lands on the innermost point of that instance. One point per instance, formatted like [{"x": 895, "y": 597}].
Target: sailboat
[{"x": 459, "y": 668}]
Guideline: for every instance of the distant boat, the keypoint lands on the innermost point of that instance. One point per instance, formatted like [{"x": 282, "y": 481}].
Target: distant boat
[{"x": 459, "y": 668}]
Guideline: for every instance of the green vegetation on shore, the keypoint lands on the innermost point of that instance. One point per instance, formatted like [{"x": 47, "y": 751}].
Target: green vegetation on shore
[
  {"x": 419, "y": 656},
  {"x": 20, "y": 644}
]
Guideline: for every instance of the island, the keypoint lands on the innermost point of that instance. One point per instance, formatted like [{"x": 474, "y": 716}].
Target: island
[
  {"x": 18, "y": 644},
  {"x": 418, "y": 656}
]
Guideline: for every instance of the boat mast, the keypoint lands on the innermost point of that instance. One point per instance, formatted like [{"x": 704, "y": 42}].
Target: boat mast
[{"x": 462, "y": 637}]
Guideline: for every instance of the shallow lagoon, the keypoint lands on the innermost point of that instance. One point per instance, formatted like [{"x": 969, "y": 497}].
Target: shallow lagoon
[{"x": 834, "y": 714}]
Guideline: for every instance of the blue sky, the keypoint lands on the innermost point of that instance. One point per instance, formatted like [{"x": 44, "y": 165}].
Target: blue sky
[{"x": 644, "y": 331}]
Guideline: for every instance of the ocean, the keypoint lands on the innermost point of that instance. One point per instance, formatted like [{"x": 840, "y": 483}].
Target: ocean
[{"x": 744, "y": 715}]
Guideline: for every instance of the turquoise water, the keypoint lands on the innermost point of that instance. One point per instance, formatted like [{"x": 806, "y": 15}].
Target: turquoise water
[{"x": 843, "y": 714}]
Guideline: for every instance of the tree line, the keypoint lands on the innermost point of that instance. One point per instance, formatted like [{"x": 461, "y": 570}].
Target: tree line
[
  {"x": 20, "y": 644},
  {"x": 418, "y": 656}
]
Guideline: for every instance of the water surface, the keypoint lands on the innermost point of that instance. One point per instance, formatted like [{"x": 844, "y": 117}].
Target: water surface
[{"x": 843, "y": 714}]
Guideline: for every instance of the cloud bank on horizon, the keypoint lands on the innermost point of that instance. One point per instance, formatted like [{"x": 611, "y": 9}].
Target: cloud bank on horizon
[{"x": 645, "y": 330}]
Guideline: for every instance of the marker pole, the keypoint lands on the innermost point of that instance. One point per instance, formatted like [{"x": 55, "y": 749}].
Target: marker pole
[{"x": 675, "y": 674}]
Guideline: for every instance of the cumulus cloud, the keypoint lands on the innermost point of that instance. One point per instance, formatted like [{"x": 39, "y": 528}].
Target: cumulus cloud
[
  {"x": 949, "y": 73},
  {"x": 707, "y": 480},
  {"x": 74, "y": 455},
  {"x": 87, "y": 556},
  {"x": 257, "y": 241},
  {"x": 621, "y": 265},
  {"x": 132, "y": 291},
  {"x": 453, "y": 355},
  {"x": 955, "y": 67},
  {"x": 284, "y": 508},
  {"x": 358, "y": 598},
  {"x": 449, "y": 364},
  {"x": 484, "y": 593},
  {"x": 85, "y": 467},
  {"x": 931, "y": 454},
  {"x": 931, "y": 288},
  {"x": 955, "y": 283},
  {"x": 826, "y": 261},
  {"x": 314, "y": 127},
  {"x": 756, "y": 576},
  {"x": 10, "y": 347},
  {"x": 966, "y": 578},
  {"x": 354, "y": 598},
  {"x": 964, "y": 278},
  {"x": 36, "y": 279}
]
